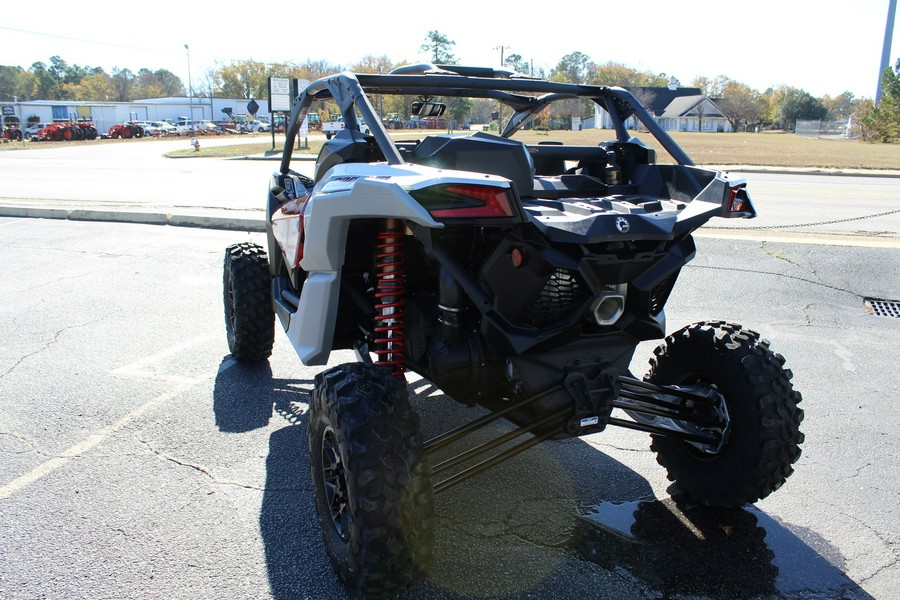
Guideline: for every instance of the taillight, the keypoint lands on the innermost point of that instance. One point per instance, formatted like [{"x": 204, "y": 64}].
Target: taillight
[
  {"x": 456, "y": 200},
  {"x": 738, "y": 200}
]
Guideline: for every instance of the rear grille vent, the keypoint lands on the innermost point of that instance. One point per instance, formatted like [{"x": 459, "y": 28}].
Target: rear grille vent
[
  {"x": 562, "y": 294},
  {"x": 660, "y": 294},
  {"x": 882, "y": 308}
]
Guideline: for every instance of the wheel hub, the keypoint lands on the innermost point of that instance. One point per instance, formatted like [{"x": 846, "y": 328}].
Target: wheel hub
[{"x": 335, "y": 482}]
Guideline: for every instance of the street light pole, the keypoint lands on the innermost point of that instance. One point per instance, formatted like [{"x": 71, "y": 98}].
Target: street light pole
[
  {"x": 190, "y": 86},
  {"x": 886, "y": 49}
]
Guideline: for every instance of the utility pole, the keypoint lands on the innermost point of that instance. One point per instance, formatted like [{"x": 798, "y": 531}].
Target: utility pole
[
  {"x": 500, "y": 108},
  {"x": 190, "y": 87},
  {"x": 886, "y": 49}
]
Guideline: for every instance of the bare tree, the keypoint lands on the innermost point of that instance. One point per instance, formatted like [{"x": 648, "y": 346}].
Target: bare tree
[{"x": 741, "y": 105}]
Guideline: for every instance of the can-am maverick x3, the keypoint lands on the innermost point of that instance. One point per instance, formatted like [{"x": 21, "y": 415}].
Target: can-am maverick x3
[{"x": 518, "y": 277}]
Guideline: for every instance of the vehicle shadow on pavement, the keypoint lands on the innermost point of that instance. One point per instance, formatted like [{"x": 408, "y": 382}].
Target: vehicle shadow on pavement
[
  {"x": 245, "y": 396},
  {"x": 680, "y": 548},
  {"x": 530, "y": 527},
  {"x": 562, "y": 520}
]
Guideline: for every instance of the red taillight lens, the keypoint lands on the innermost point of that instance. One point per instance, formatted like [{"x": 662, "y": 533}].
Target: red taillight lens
[
  {"x": 738, "y": 201},
  {"x": 466, "y": 201}
]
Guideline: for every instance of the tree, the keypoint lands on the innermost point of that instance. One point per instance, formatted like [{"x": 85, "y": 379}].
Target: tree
[
  {"x": 171, "y": 84},
  {"x": 123, "y": 83},
  {"x": 97, "y": 86},
  {"x": 741, "y": 105},
  {"x": 45, "y": 84},
  {"x": 617, "y": 74},
  {"x": 841, "y": 106},
  {"x": 15, "y": 83},
  {"x": 572, "y": 68},
  {"x": 57, "y": 69},
  {"x": 242, "y": 79},
  {"x": 373, "y": 64},
  {"x": 798, "y": 105},
  {"x": 438, "y": 46},
  {"x": 881, "y": 123},
  {"x": 516, "y": 63}
]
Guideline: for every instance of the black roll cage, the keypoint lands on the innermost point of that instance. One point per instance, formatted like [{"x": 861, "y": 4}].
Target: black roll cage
[{"x": 525, "y": 95}]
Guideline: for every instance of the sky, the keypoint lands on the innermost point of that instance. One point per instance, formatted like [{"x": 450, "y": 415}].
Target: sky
[{"x": 821, "y": 46}]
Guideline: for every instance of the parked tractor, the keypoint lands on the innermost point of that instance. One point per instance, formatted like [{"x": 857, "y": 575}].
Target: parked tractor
[
  {"x": 67, "y": 131},
  {"x": 12, "y": 132},
  {"x": 125, "y": 130}
]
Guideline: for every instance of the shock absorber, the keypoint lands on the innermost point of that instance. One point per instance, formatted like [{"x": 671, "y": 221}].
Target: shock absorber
[{"x": 390, "y": 296}]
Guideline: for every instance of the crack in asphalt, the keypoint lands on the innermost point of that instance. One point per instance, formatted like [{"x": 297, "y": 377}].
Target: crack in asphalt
[
  {"x": 24, "y": 439},
  {"x": 757, "y": 272},
  {"x": 508, "y": 527},
  {"x": 200, "y": 469},
  {"x": 52, "y": 341}
]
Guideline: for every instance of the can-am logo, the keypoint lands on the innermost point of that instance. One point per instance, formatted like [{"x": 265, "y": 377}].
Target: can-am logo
[{"x": 623, "y": 225}]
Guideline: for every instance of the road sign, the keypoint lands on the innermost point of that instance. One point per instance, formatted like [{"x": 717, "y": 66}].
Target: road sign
[{"x": 279, "y": 94}]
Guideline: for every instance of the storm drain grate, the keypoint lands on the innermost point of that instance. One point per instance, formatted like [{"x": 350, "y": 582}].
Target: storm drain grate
[{"x": 883, "y": 308}]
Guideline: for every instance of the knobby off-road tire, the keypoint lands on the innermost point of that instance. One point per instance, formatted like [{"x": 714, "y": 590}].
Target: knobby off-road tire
[
  {"x": 247, "y": 290},
  {"x": 373, "y": 493},
  {"x": 764, "y": 439}
]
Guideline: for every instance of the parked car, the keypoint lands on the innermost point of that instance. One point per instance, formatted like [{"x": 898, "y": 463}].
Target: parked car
[
  {"x": 149, "y": 128},
  {"x": 163, "y": 127},
  {"x": 208, "y": 127},
  {"x": 32, "y": 129},
  {"x": 255, "y": 125}
]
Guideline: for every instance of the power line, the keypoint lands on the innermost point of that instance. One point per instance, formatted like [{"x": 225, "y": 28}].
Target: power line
[{"x": 75, "y": 39}]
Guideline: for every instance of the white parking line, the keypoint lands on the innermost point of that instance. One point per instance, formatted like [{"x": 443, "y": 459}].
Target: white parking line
[{"x": 132, "y": 370}]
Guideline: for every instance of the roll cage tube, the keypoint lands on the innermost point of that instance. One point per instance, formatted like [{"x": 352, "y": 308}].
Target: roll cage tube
[
  {"x": 347, "y": 89},
  {"x": 348, "y": 93},
  {"x": 622, "y": 96}
]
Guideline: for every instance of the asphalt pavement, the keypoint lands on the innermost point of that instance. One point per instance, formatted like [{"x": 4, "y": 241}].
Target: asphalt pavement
[{"x": 141, "y": 461}]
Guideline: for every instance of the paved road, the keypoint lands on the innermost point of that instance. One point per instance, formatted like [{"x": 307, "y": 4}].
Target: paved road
[
  {"x": 136, "y": 177},
  {"x": 140, "y": 461}
]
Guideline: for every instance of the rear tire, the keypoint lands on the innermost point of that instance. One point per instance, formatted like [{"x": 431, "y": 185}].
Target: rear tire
[
  {"x": 373, "y": 494},
  {"x": 764, "y": 436},
  {"x": 247, "y": 294}
]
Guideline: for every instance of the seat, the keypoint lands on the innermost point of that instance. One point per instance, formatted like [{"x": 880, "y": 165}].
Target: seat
[
  {"x": 481, "y": 153},
  {"x": 346, "y": 146}
]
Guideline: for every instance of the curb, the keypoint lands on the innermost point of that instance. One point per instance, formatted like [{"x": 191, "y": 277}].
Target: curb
[
  {"x": 249, "y": 224},
  {"x": 802, "y": 171}
]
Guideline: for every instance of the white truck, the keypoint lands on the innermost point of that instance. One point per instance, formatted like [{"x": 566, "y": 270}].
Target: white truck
[
  {"x": 335, "y": 126},
  {"x": 184, "y": 126}
]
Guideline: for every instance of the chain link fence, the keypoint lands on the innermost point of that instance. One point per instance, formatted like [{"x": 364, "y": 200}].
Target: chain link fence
[{"x": 824, "y": 129}]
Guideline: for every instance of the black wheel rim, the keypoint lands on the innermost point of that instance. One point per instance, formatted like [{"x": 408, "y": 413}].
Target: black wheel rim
[
  {"x": 335, "y": 481},
  {"x": 232, "y": 320}
]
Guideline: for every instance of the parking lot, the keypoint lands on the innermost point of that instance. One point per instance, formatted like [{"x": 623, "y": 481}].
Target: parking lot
[{"x": 141, "y": 461}]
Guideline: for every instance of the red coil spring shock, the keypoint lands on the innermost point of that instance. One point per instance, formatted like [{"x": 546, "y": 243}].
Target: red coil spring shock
[{"x": 390, "y": 297}]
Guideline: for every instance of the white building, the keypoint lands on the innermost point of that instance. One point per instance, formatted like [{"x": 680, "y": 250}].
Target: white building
[
  {"x": 107, "y": 114},
  {"x": 674, "y": 109}
]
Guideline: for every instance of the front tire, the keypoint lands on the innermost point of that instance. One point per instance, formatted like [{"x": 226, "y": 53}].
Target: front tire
[
  {"x": 247, "y": 295},
  {"x": 764, "y": 437},
  {"x": 373, "y": 494}
]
